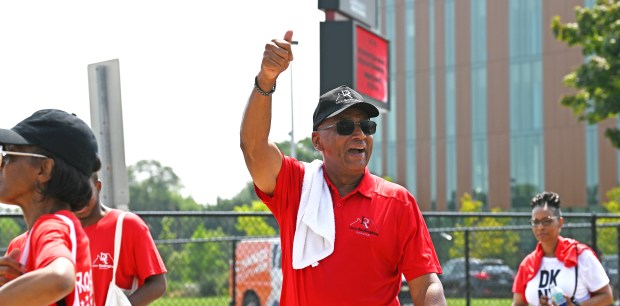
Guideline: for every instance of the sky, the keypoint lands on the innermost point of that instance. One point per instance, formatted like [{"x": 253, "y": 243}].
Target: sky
[{"x": 186, "y": 70}]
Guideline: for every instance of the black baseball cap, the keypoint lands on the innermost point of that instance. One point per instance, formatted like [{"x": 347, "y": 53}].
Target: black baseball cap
[
  {"x": 63, "y": 135},
  {"x": 337, "y": 100}
]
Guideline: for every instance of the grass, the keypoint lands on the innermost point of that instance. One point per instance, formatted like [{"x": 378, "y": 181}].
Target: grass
[
  {"x": 224, "y": 301},
  {"x": 480, "y": 302},
  {"x": 189, "y": 301}
]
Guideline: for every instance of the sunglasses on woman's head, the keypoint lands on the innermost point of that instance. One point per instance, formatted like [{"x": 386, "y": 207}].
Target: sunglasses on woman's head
[
  {"x": 346, "y": 127},
  {"x": 4, "y": 159}
]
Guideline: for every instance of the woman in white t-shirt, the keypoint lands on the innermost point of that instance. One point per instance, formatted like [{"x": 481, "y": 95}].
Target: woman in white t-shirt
[{"x": 558, "y": 262}]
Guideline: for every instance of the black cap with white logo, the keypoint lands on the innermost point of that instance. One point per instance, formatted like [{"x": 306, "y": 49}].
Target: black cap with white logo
[{"x": 337, "y": 100}]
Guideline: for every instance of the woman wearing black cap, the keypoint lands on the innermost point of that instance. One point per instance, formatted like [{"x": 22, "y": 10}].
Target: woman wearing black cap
[{"x": 45, "y": 164}]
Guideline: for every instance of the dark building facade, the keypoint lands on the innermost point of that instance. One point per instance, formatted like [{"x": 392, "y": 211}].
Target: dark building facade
[{"x": 475, "y": 89}]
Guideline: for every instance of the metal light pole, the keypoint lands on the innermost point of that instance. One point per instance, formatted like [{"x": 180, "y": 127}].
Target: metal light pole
[{"x": 293, "y": 145}]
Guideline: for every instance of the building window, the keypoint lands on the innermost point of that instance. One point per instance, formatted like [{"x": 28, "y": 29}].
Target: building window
[
  {"x": 410, "y": 101},
  {"x": 433, "y": 104},
  {"x": 526, "y": 108},
  {"x": 450, "y": 121},
  {"x": 480, "y": 169},
  {"x": 392, "y": 159}
]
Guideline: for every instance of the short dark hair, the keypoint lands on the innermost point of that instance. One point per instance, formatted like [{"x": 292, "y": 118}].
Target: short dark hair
[
  {"x": 68, "y": 184},
  {"x": 549, "y": 199}
]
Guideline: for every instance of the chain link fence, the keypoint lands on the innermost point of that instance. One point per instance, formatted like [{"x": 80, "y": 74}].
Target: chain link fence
[{"x": 233, "y": 258}]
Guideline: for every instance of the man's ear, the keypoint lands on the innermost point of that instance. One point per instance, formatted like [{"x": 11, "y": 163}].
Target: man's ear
[{"x": 316, "y": 143}]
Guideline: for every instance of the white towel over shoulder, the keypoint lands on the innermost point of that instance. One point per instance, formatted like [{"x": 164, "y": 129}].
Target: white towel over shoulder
[{"x": 316, "y": 229}]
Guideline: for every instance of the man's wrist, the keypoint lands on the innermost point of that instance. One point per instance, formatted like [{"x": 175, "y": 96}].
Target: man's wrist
[{"x": 261, "y": 91}]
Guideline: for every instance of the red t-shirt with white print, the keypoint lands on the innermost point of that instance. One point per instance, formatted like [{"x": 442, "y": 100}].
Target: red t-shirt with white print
[
  {"x": 138, "y": 258},
  {"x": 55, "y": 236}
]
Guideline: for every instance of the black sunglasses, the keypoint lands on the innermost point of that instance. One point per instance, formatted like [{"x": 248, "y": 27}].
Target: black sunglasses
[{"x": 346, "y": 127}]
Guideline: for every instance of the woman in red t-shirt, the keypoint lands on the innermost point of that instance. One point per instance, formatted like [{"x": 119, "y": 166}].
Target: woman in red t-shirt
[{"x": 45, "y": 164}]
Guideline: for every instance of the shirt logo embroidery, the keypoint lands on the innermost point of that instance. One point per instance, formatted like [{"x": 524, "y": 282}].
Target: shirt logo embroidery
[
  {"x": 103, "y": 261},
  {"x": 364, "y": 226}
]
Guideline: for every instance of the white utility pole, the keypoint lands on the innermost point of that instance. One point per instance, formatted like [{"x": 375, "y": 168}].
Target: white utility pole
[{"x": 293, "y": 144}]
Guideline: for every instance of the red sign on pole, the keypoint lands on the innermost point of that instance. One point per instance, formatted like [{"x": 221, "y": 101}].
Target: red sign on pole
[{"x": 371, "y": 65}]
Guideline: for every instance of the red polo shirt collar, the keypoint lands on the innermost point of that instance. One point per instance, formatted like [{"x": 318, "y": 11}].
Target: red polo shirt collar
[{"x": 365, "y": 187}]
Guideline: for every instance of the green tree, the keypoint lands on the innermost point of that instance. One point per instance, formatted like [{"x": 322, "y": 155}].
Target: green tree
[
  {"x": 155, "y": 187},
  {"x": 304, "y": 149},
  {"x": 202, "y": 264},
  {"x": 607, "y": 240},
  {"x": 166, "y": 250},
  {"x": 151, "y": 186},
  {"x": 305, "y": 152},
  {"x": 484, "y": 244},
  {"x": 245, "y": 196},
  {"x": 254, "y": 226},
  {"x": 597, "y": 81},
  {"x": 9, "y": 229}
]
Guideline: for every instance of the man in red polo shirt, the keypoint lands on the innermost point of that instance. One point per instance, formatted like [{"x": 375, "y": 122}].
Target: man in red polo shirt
[{"x": 347, "y": 235}]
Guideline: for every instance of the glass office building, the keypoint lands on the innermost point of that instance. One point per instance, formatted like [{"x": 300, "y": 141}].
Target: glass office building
[{"x": 475, "y": 89}]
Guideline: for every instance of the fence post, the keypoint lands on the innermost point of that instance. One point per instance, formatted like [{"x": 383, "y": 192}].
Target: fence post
[
  {"x": 233, "y": 273},
  {"x": 467, "y": 287},
  {"x": 593, "y": 233},
  {"x": 618, "y": 253}
]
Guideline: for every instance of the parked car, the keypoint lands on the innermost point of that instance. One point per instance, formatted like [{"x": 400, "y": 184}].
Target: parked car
[
  {"x": 610, "y": 263},
  {"x": 489, "y": 277}
]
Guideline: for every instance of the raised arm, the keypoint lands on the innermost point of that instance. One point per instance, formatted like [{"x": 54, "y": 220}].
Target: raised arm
[{"x": 262, "y": 157}]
